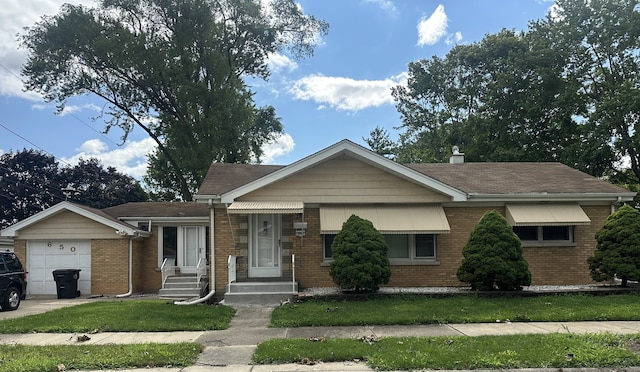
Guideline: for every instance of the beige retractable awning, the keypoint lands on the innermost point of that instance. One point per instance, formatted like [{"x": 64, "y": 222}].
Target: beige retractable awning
[
  {"x": 407, "y": 219},
  {"x": 268, "y": 207},
  {"x": 546, "y": 215}
]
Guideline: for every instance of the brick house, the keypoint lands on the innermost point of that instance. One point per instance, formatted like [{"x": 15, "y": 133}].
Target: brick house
[{"x": 266, "y": 230}]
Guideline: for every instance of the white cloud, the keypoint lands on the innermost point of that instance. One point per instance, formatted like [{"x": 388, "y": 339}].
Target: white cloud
[
  {"x": 346, "y": 93},
  {"x": 283, "y": 145},
  {"x": 130, "y": 159},
  {"x": 434, "y": 28},
  {"x": 278, "y": 62},
  {"x": 15, "y": 16},
  {"x": 453, "y": 38},
  {"x": 70, "y": 109},
  {"x": 386, "y": 5}
]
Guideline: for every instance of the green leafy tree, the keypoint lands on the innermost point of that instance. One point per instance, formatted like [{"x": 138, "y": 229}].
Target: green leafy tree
[
  {"x": 493, "y": 257},
  {"x": 499, "y": 99},
  {"x": 617, "y": 251},
  {"x": 99, "y": 187},
  {"x": 32, "y": 181},
  {"x": 173, "y": 68},
  {"x": 601, "y": 39},
  {"x": 380, "y": 142},
  {"x": 359, "y": 256}
]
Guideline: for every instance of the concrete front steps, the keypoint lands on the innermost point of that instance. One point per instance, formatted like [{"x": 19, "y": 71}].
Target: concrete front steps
[
  {"x": 181, "y": 287},
  {"x": 260, "y": 293}
]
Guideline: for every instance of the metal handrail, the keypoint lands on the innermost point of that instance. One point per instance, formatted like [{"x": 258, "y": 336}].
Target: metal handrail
[
  {"x": 168, "y": 269},
  {"x": 201, "y": 269},
  {"x": 293, "y": 272},
  {"x": 231, "y": 266}
]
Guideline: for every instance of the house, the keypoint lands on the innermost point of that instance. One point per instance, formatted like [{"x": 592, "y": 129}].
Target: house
[{"x": 257, "y": 233}]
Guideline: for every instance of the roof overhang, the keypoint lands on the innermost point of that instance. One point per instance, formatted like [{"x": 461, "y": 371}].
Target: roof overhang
[
  {"x": 388, "y": 219},
  {"x": 553, "y": 197},
  {"x": 120, "y": 228},
  {"x": 266, "y": 207},
  {"x": 344, "y": 147},
  {"x": 546, "y": 215}
]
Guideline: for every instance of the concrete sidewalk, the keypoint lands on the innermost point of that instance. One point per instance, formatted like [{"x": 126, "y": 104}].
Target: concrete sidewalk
[{"x": 231, "y": 349}]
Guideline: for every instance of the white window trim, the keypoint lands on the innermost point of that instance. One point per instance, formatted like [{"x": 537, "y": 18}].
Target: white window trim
[{"x": 202, "y": 232}]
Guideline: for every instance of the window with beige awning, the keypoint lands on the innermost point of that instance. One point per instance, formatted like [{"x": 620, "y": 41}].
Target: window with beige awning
[
  {"x": 388, "y": 219},
  {"x": 546, "y": 215},
  {"x": 266, "y": 207}
]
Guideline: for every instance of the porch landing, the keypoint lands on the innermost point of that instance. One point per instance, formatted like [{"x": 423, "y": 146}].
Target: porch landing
[{"x": 260, "y": 293}]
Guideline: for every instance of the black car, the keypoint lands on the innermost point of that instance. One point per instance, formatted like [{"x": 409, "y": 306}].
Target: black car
[{"x": 13, "y": 281}]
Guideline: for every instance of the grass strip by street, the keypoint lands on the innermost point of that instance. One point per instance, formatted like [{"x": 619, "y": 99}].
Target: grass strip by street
[
  {"x": 415, "y": 309},
  {"x": 123, "y": 316},
  {"x": 22, "y": 358},
  {"x": 460, "y": 352}
]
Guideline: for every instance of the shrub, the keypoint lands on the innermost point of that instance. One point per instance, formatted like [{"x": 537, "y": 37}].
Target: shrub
[
  {"x": 493, "y": 257},
  {"x": 359, "y": 256},
  {"x": 617, "y": 247}
]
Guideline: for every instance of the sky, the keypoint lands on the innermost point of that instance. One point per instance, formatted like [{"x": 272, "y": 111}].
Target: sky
[{"x": 342, "y": 92}]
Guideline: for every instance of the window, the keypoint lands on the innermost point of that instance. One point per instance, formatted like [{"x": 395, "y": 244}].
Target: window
[
  {"x": 402, "y": 247},
  {"x": 544, "y": 235}
]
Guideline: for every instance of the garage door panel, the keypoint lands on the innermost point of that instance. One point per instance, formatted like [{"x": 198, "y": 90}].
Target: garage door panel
[{"x": 45, "y": 257}]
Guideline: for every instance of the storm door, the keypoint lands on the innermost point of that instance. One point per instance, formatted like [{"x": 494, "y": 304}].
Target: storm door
[{"x": 264, "y": 246}]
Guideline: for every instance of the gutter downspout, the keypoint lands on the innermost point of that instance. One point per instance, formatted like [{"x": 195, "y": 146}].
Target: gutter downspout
[
  {"x": 212, "y": 264},
  {"x": 130, "y": 269}
]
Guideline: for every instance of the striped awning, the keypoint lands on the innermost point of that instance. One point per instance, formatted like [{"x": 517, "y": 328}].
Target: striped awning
[
  {"x": 391, "y": 219},
  {"x": 546, "y": 215},
  {"x": 266, "y": 207}
]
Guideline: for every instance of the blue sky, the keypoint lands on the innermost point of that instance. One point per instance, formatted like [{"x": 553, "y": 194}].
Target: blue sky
[{"x": 343, "y": 91}]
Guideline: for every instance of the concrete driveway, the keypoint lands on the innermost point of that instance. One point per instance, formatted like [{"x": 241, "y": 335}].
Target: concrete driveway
[{"x": 41, "y": 304}]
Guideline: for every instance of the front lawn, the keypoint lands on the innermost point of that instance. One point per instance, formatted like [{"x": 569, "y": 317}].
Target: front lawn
[
  {"x": 414, "y": 309},
  {"x": 24, "y": 358},
  {"x": 124, "y": 316},
  {"x": 484, "y": 352}
]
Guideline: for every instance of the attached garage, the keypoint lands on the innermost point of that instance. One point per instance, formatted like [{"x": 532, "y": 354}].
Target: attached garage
[
  {"x": 43, "y": 257},
  {"x": 70, "y": 236}
]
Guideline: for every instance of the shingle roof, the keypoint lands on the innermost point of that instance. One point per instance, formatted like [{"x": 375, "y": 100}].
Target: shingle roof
[
  {"x": 516, "y": 178},
  {"x": 470, "y": 178},
  {"x": 223, "y": 177},
  {"x": 158, "y": 209}
]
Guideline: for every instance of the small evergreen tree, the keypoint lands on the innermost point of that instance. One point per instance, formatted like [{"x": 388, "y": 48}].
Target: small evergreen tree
[
  {"x": 493, "y": 257},
  {"x": 617, "y": 247},
  {"x": 359, "y": 256}
]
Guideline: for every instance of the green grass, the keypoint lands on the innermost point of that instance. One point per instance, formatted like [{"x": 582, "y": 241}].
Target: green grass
[
  {"x": 123, "y": 316},
  {"x": 490, "y": 352},
  {"x": 22, "y": 358},
  {"x": 413, "y": 309}
]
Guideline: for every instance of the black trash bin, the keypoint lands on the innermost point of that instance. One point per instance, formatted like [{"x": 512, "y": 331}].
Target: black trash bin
[{"x": 67, "y": 282}]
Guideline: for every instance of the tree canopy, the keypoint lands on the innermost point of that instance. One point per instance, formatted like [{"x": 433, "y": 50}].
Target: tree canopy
[
  {"x": 32, "y": 181},
  {"x": 567, "y": 89},
  {"x": 175, "y": 69}
]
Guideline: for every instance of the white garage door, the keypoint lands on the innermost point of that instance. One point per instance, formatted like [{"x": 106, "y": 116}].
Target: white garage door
[{"x": 46, "y": 256}]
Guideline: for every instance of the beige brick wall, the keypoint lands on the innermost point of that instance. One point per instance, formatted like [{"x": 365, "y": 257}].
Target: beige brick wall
[
  {"x": 548, "y": 265},
  {"x": 109, "y": 266}
]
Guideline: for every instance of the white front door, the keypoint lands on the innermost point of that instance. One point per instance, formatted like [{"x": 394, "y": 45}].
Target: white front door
[
  {"x": 264, "y": 247},
  {"x": 191, "y": 248}
]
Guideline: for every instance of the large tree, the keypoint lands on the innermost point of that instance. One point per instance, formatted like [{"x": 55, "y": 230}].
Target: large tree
[
  {"x": 602, "y": 41},
  {"x": 567, "y": 89},
  {"x": 174, "y": 68},
  {"x": 499, "y": 99},
  {"x": 33, "y": 181}
]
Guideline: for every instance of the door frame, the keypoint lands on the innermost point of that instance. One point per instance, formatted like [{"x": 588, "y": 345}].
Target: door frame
[
  {"x": 181, "y": 253},
  {"x": 275, "y": 269}
]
